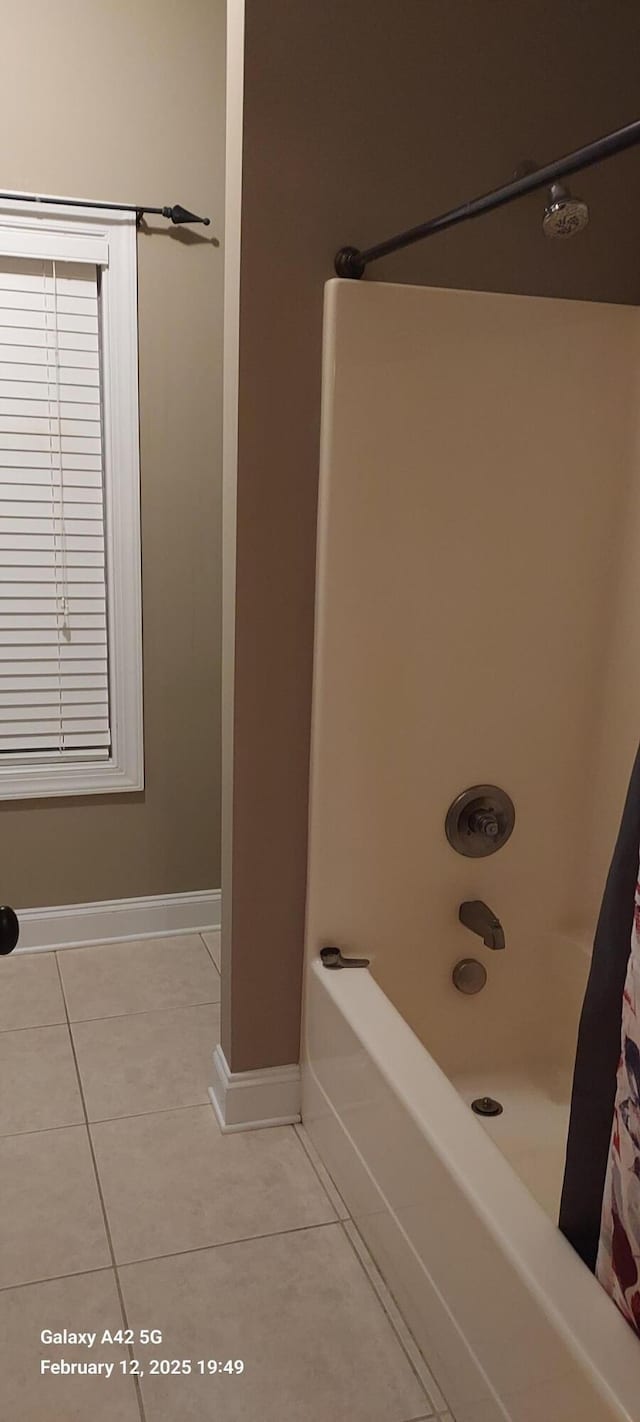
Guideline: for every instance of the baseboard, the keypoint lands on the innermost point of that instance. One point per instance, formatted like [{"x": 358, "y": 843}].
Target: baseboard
[
  {"x": 72, "y": 925},
  {"x": 250, "y": 1100}
]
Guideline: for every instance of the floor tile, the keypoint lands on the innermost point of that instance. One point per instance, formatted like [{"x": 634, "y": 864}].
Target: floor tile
[
  {"x": 146, "y": 976},
  {"x": 88, "y": 1302},
  {"x": 30, "y": 994},
  {"x": 249, "y": 1183},
  {"x": 432, "y": 1391},
  {"x": 149, "y": 1062},
  {"x": 51, "y": 1221},
  {"x": 297, "y": 1309},
  {"x": 39, "y": 1082},
  {"x": 322, "y": 1173},
  {"x": 212, "y": 941}
]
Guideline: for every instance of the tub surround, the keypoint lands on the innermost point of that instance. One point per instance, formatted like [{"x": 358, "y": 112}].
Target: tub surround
[
  {"x": 479, "y": 454},
  {"x": 478, "y": 468}
]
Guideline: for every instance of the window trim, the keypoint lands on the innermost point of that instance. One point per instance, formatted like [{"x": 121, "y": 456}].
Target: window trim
[{"x": 114, "y": 237}]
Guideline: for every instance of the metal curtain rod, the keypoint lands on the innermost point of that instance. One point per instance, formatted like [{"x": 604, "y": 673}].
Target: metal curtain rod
[
  {"x": 175, "y": 214},
  {"x": 351, "y": 261}
]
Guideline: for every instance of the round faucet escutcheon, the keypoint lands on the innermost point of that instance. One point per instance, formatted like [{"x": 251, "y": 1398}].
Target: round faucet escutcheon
[{"x": 480, "y": 820}]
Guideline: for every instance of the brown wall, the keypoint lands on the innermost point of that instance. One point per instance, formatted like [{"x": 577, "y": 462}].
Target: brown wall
[
  {"x": 124, "y": 100},
  {"x": 362, "y": 117}
]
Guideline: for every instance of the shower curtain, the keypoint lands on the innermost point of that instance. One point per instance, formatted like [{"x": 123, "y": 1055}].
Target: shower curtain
[{"x": 600, "y": 1208}]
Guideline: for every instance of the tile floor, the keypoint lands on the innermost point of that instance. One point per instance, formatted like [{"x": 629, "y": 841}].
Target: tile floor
[{"x": 124, "y": 1206}]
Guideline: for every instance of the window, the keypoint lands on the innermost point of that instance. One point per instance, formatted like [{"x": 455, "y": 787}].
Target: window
[{"x": 70, "y": 602}]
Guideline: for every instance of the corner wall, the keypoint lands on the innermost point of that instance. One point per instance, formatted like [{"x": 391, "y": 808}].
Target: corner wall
[{"x": 362, "y": 117}]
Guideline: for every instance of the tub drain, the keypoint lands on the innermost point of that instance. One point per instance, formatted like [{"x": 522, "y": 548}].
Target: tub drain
[{"x": 486, "y": 1106}]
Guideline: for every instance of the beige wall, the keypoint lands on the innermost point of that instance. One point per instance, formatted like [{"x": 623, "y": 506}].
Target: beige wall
[
  {"x": 124, "y": 100},
  {"x": 360, "y": 118},
  {"x": 474, "y": 500}
]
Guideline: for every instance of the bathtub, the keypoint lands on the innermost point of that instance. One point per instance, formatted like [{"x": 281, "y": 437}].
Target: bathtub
[
  {"x": 508, "y": 1318},
  {"x": 470, "y": 628}
]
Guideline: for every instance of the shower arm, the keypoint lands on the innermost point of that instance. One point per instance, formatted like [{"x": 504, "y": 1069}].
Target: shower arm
[{"x": 351, "y": 261}]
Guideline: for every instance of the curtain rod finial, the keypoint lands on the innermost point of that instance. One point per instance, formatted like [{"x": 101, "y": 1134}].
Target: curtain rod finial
[{"x": 178, "y": 214}]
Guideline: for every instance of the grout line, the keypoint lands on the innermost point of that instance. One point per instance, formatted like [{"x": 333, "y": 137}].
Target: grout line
[
  {"x": 60, "y": 1125},
  {"x": 226, "y": 1243},
  {"x": 126, "y": 942},
  {"x": 375, "y": 1278},
  {"x": 35, "y": 1027},
  {"x": 106, "y": 1120},
  {"x": 419, "y": 1365},
  {"x": 136, "y": 1380},
  {"x": 54, "y": 1278},
  {"x": 157, "y": 1111},
  {"x": 160, "y": 936},
  {"x": 43, "y": 1130},
  {"x": 141, "y": 1012},
  {"x": 171, "y": 1254},
  {"x": 209, "y": 953},
  {"x": 315, "y": 1160},
  {"x": 210, "y": 950}
]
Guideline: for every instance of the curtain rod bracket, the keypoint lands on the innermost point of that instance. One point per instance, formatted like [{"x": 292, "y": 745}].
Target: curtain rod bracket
[{"x": 349, "y": 263}]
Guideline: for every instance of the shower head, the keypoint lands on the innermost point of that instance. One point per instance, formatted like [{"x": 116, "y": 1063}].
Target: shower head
[{"x": 564, "y": 214}]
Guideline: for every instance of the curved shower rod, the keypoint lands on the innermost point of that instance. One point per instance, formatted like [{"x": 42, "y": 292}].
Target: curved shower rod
[{"x": 351, "y": 261}]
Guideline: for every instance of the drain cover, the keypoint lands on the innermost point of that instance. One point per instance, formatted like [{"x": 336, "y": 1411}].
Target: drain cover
[{"x": 486, "y": 1106}]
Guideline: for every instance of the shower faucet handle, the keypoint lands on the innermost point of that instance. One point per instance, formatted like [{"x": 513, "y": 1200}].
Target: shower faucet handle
[
  {"x": 480, "y": 820},
  {"x": 332, "y": 958},
  {"x": 484, "y": 822}
]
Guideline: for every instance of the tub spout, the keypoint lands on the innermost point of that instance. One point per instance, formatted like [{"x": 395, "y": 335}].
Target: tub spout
[{"x": 476, "y": 915}]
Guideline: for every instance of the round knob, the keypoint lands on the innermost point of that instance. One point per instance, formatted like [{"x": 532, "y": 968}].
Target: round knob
[
  {"x": 469, "y": 976},
  {"x": 9, "y": 930}
]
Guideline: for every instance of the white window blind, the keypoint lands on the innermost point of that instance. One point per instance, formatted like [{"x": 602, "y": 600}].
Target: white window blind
[{"x": 54, "y": 685}]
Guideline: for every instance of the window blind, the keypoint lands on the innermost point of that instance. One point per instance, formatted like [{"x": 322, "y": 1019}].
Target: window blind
[{"x": 54, "y": 696}]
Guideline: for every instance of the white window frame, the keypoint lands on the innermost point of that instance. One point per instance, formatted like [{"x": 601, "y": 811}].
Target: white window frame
[{"x": 34, "y": 229}]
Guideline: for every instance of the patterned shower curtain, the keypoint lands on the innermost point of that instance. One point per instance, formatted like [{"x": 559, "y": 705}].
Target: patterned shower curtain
[
  {"x": 618, "y": 1259},
  {"x": 600, "y": 1209}
]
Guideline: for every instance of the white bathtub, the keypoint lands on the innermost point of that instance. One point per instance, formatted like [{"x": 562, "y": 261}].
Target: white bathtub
[{"x": 509, "y": 1319}]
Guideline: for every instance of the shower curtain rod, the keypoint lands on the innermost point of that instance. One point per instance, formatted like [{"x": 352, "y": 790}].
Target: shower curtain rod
[
  {"x": 351, "y": 261},
  {"x": 176, "y": 214}
]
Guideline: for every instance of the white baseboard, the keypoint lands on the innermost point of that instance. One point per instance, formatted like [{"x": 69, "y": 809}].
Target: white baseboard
[
  {"x": 249, "y": 1100},
  {"x": 72, "y": 925}
]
